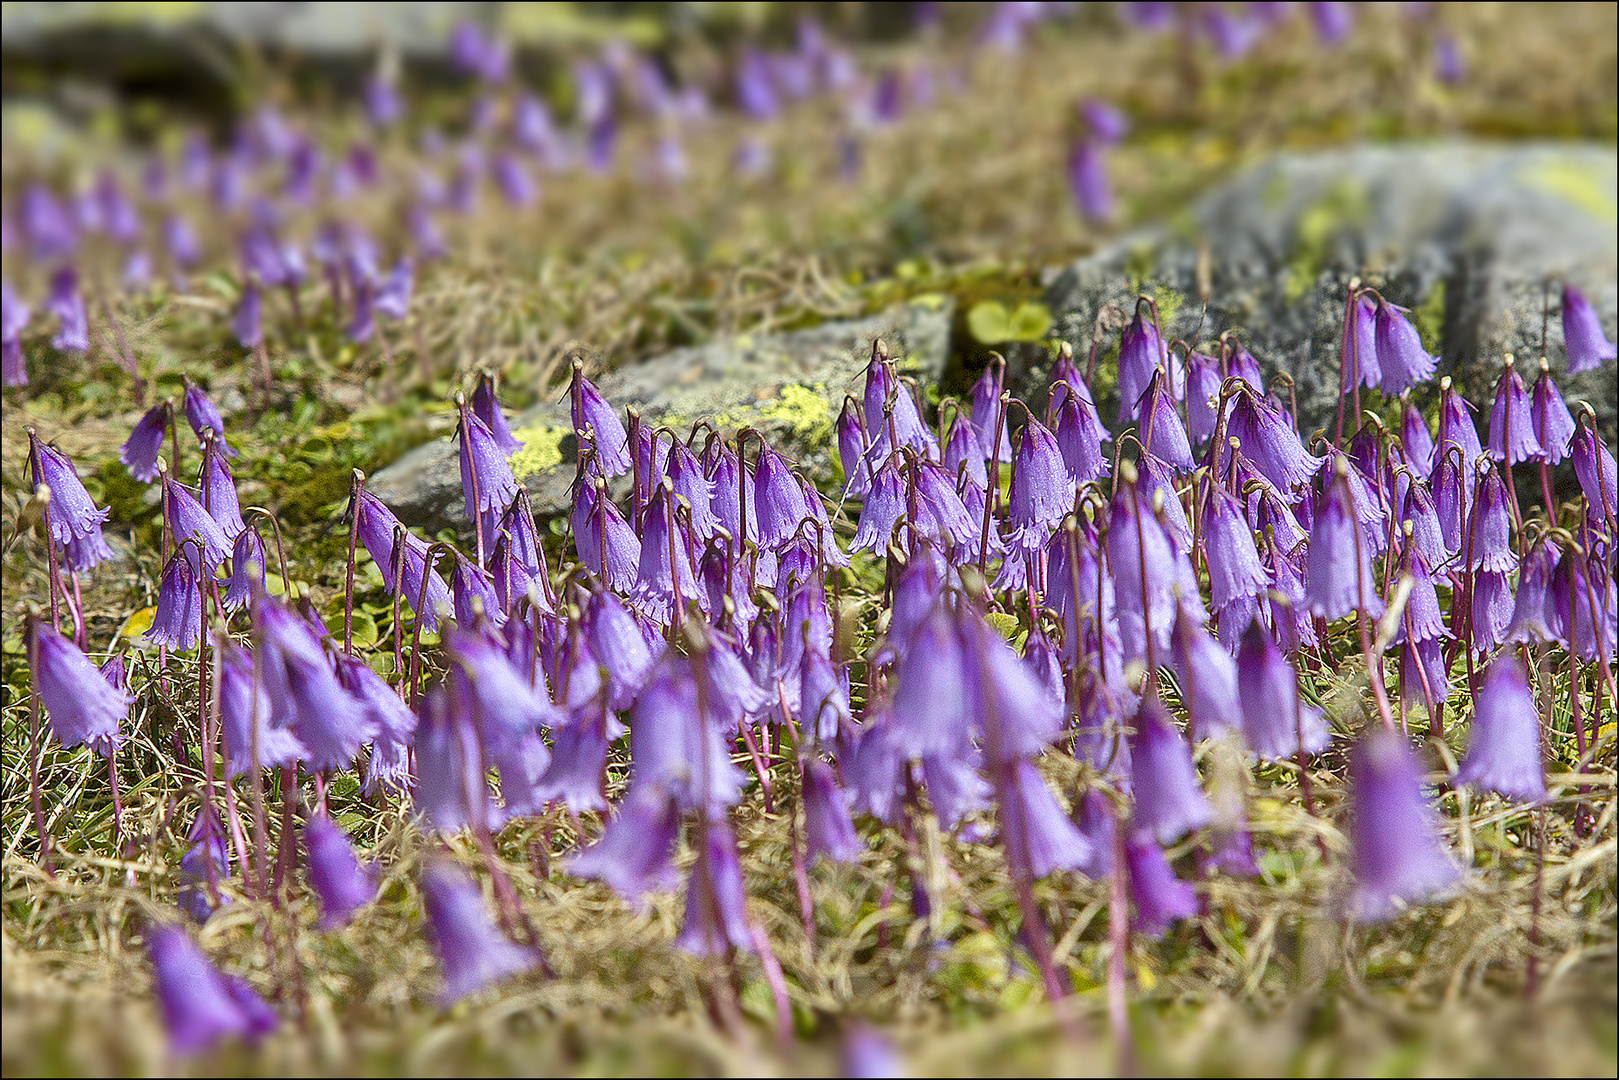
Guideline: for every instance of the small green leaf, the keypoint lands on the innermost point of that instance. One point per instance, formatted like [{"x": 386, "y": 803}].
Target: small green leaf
[
  {"x": 1030, "y": 322},
  {"x": 990, "y": 322}
]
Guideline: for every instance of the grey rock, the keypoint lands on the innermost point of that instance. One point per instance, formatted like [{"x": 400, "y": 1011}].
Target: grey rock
[
  {"x": 1469, "y": 235},
  {"x": 787, "y": 386}
]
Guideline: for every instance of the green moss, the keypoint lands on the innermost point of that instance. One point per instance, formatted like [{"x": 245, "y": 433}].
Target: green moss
[
  {"x": 1343, "y": 206},
  {"x": 542, "y": 448},
  {"x": 1430, "y": 317}
]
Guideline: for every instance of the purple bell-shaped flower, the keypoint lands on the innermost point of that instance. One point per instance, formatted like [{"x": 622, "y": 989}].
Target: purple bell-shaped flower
[
  {"x": 74, "y": 519},
  {"x": 1512, "y": 428},
  {"x": 187, "y": 520},
  {"x": 595, "y": 421},
  {"x": 1275, "y": 722},
  {"x": 1396, "y": 854},
  {"x": 1037, "y": 836},
  {"x": 1156, "y": 895},
  {"x": 828, "y": 830},
  {"x": 201, "y": 1006},
  {"x": 472, "y": 951},
  {"x": 1339, "y": 577},
  {"x": 1548, "y": 413},
  {"x": 14, "y": 315},
  {"x": 83, "y": 707},
  {"x": 177, "y": 622},
  {"x": 635, "y": 855},
  {"x": 1169, "y": 802},
  {"x": 1400, "y": 355},
  {"x": 244, "y": 713},
  {"x": 716, "y": 914},
  {"x": 336, "y": 876},
  {"x": 1141, "y": 352},
  {"x": 1588, "y": 346},
  {"x": 1503, "y": 748}
]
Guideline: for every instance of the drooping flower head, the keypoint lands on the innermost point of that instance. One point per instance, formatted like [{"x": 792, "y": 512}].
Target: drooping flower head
[
  {"x": 1275, "y": 723},
  {"x": 203, "y": 416},
  {"x": 1339, "y": 578},
  {"x": 1141, "y": 352},
  {"x": 595, "y": 421},
  {"x": 336, "y": 876},
  {"x": 200, "y": 1005},
  {"x": 177, "y": 622},
  {"x": 14, "y": 316},
  {"x": 84, "y": 709},
  {"x": 67, "y": 304},
  {"x": 74, "y": 519},
  {"x": 1503, "y": 748},
  {"x": 471, "y": 950},
  {"x": 716, "y": 915},
  {"x": 1549, "y": 415},
  {"x": 1400, "y": 354},
  {"x": 1169, "y": 802},
  {"x": 1512, "y": 428},
  {"x": 1396, "y": 854},
  {"x": 1588, "y": 345}
]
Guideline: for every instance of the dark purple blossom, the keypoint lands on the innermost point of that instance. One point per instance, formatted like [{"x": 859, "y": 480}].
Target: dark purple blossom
[
  {"x": 244, "y": 713},
  {"x": 187, "y": 520},
  {"x": 595, "y": 421},
  {"x": 1339, "y": 578},
  {"x": 67, "y": 304},
  {"x": 1549, "y": 415},
  {"x": 828, "y": 830}
]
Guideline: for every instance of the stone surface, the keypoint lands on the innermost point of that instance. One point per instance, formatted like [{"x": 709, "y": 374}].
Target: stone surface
[
  {"x": 1467, "y": 234},
  {"x": 788, "y": 386}
]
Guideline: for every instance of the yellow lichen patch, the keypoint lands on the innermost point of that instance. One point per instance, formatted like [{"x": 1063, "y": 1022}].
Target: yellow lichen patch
[
  {"x": 1587, "y": 187},
  {"x": 802, "y": 408},
  {"x": 542, "y": 448}
]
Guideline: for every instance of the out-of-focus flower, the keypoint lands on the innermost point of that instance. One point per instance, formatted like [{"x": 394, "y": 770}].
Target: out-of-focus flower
[
  {"x": 84, "y": 709},
  {"x": 471, "y": 950},
  {"x": 200, "y": 1005},
  {"x": 1588, "y": 346},
  {"x": 1396, "y": 854}
]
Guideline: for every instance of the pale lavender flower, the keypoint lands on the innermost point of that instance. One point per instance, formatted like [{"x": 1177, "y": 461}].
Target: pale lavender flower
[
  {"x": 471, "y": 950},
  {"x": 635, "y": 855},
  {"x": 1169, "y": 802},
  {"x": 336, "y": 876},
  {"x": 1157, "y": 896},
  {"x": 177, "y": 621},
  {"x": 716, "y": 909},
  {"x": 1503, "y": 748},
  {"x": 84, "y": 708},
  {"x": 1275, "y": 722},
  {"x": 1587, "y": 344},
  {"x": 1396, "y": 854}
]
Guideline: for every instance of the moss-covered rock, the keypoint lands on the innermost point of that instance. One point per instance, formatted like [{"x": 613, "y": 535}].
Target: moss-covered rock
[
  {"x": 787, "y": 386},
  {"x": 1468, "y": 235}
]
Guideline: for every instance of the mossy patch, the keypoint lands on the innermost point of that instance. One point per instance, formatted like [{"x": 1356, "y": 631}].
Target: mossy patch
[{"x": 1343, "y": 206}]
